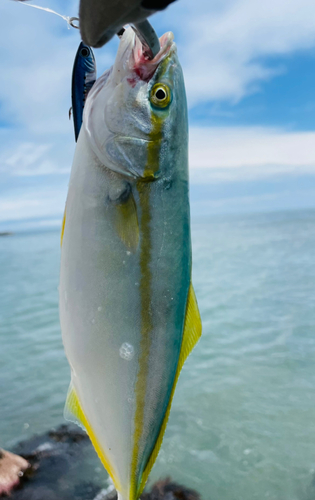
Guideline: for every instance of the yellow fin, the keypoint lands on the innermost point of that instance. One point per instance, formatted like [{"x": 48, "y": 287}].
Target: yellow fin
[
  {"x": 63, "y": 227},
  {"x": 192, "y": 333},
  {"x": 126, "y": 222},
  {"x": 74, "y": 413}
]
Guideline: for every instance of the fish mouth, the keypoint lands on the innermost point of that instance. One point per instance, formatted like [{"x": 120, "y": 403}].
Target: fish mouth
[
  {"x": 142, "y": 65},
  {"x": 132, "y": 61}
]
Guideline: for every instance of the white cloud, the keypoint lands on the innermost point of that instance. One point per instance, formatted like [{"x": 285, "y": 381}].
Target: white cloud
[
  {"x": 252, "y": 151},
  {"x": 223, "y": 44},
  {"x": 42, "y": 202},
  {"x": 26, "y": 154},
  {"x": 217, "y": 157},
  {"x": 37, "y": 57},
  {"x": 30, "y": 159}
]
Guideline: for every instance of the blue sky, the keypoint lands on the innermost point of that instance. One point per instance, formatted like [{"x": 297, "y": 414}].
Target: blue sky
[
  {"x": 287, "y": 100},
  {"x": 249, "y": 68}
]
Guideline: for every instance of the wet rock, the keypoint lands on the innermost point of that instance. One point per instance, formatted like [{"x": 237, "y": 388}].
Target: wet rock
[
  {"x": 165, "y": 489},
  {"x": 168, "y": 490},
  {"x": 62, "y": 467},
  {"x": 86, "y": 490},
  {"x": 12, "y": 468},
  {"x": 65, "y": 434},
  {"x": 55, "y": 442},
  {"x": 53, "y": 457}
]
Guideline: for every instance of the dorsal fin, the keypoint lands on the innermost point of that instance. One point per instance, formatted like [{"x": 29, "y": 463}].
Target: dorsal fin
[{"x": 191, "y": 335}]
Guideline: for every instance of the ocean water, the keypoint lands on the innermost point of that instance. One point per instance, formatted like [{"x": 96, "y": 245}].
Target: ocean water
[{"x": 242, "y": 425}]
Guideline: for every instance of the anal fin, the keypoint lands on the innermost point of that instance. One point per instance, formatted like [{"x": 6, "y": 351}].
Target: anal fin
[{"x": 74, "y": 413}]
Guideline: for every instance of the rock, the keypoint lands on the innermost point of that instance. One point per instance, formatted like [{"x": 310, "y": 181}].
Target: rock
[
  {"x": 12, "y": 468},
  {"x": 86, "y": 490},
  {"x": 64, "y": 434},
  {"x": 55, "y": 457},
  {"x": 168, "y": 490},
  {"x": 165, "y": 489},
  {"x": 63, "y": 466}
]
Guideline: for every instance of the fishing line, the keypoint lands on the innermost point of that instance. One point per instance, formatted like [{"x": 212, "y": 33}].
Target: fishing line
[{"x": 71, "y": 21}]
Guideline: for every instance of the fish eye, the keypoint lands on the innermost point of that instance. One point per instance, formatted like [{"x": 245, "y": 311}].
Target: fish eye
[
  {"x": 85, "y": 52},
  {"x": 160, "y": 95}
]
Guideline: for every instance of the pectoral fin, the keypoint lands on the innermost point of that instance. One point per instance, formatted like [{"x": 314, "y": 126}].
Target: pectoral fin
[
  {"x": 126, "y": 222},
  {"x": 74, "y": 413},
  {"x": 191, "y": 335},
  {"x": 63, "y": 227}
]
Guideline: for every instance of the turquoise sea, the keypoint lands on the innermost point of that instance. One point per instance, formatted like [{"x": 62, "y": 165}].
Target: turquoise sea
[{"x": 242, "y": 424}]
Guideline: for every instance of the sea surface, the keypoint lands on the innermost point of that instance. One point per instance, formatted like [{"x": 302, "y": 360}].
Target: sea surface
[{"x": 242, "y": 425}]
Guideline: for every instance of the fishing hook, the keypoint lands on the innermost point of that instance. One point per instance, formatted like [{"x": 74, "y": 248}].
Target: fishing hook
[{"x": 148, "y": 38}]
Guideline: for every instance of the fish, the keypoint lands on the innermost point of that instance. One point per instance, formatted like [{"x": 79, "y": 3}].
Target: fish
[
  {"x": 83, "y": 79},
  {"x": 128, "y": 311}
]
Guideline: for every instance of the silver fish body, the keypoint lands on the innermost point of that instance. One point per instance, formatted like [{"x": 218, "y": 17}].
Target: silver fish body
[{"x": 127, "y": 308}]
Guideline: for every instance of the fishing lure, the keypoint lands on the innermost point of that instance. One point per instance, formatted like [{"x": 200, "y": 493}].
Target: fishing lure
[{"x": 83, "y": 78}]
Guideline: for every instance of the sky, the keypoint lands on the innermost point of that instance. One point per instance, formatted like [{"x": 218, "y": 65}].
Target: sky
[{"x": 249, "y": 69}]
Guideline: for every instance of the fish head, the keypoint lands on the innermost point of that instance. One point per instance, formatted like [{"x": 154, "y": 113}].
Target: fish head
[{"x": 136, "y": 109}]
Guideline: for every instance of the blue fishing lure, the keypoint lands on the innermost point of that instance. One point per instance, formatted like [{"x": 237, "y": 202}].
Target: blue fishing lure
[{"x": 83, "y": 78}]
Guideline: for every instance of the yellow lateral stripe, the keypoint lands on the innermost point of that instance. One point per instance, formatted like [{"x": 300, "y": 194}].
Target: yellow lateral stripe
[
  {"x": 63, "y": 227},
  {"x": 150, "y": 174},
  {"x": 146, "y": 328},
  {"x": 191, "y": 335},
  {"x": 143, "y": 186},
  {"x": 74, "y": 406}
]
